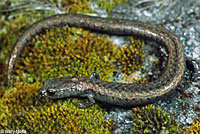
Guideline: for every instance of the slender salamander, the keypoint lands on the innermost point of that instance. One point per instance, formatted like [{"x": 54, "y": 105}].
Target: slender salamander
[{"x": 121, "y": 94}]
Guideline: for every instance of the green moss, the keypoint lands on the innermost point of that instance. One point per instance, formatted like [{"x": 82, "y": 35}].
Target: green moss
[
  {"x": 110, "y": 4},
  {"x": 16, "y": 100},
  {"x": 8, "y": 36},
  {"x": 23, "y": 109},
  {"x": 76, "y": 6},
  {"x": 65, "y": 51},
  {"x": 195, "y": 127},
  {"x": 14, "y": 23},
  {"x": 150, "y": 120},
  {"x": 131, "y": 78},
  {"x": 131, "y": 57},
  {"x": 11, "y": 28}
]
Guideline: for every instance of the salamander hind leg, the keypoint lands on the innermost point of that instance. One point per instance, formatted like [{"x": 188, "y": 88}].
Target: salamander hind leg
[
  {"x": 95, "y": 75},
  {"x": 90, "y": 99},
  {"x": 194, "y": 67}
]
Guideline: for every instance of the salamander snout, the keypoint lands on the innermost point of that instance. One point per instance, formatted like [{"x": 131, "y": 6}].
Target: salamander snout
[{"x": 42, "y": 93}]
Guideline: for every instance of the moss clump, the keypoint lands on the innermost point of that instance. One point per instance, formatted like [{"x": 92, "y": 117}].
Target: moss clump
[
  {"x": 194, "y": 128},
  {"x": 11, "y": 28},
  {"x": 16, "y": 100},
  {"x": 134, "y": 78},
  {"x": 23, "y": 109},
  {"x": 66, "y": 51},
  {"x": 150, "y": 120},
  {"x": 76, "y": 6},
  {"x": 110, "y": 4},
  {"x": 8, "y": 36},
  {"x": 131, "y": 56},
  {"x": 13, "y": 23}
]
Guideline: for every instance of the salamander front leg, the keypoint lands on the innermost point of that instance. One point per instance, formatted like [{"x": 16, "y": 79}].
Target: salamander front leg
[
  {"x": 90, "y": 99},
  {"x": 95, "y": 75}
]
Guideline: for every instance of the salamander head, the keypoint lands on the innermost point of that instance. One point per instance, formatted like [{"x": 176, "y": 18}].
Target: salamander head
[{"x": 61, "y": 87}]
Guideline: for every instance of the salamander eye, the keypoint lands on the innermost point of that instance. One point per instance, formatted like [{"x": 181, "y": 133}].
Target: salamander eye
[{"x": 51, "y": 92}]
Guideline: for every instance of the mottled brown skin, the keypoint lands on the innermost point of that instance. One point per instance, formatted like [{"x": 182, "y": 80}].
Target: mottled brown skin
[{"x": 109, "y": 92}]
